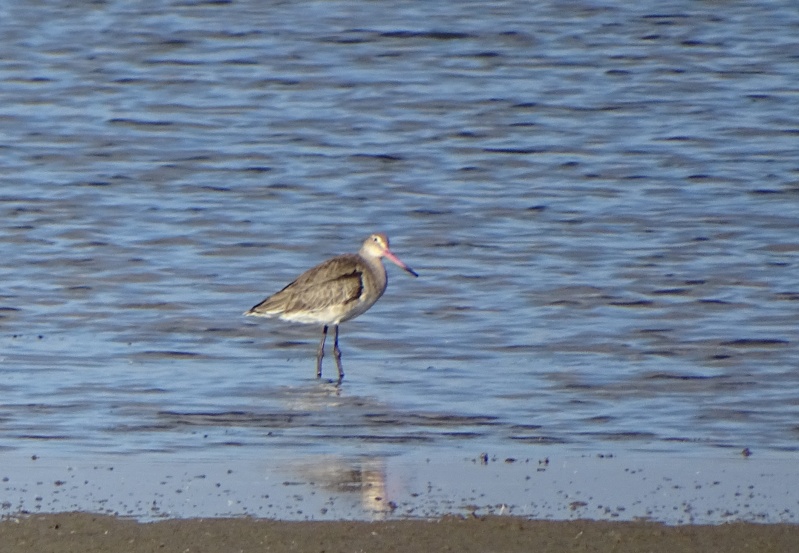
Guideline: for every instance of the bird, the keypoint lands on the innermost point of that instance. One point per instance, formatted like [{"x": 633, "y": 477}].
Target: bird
[{"x": 333, "y": 292}]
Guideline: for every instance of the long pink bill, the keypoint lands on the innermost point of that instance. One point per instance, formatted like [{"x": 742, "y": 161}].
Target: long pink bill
[{"x": 396, "y": 261}]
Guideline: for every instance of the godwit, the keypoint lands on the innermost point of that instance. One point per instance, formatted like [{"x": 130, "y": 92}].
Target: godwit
[{"x": 334, "y": 291}]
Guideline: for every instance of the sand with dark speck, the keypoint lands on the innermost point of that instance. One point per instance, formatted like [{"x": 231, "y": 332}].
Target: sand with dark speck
[{"x": 87, "y": 533}]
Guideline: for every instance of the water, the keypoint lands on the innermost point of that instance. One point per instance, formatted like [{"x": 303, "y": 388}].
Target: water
[{"x": 601, "y": 201}]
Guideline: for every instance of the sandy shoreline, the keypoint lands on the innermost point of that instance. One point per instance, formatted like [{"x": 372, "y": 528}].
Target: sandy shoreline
[
  {"x": 666, "y": 489},
  {"x": 570, "y": 504},
  {"x": 87, "y": 533}
]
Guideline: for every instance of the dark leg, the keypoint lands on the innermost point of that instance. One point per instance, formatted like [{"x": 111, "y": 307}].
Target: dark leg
[
  {"x": 337, "y": 352},
  {"x": 321, "y": 353}
]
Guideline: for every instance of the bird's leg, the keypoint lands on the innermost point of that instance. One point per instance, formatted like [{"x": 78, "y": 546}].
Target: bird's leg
[
  {"x": 337, "y": 353},
  {"x": 321, "y": 353}
]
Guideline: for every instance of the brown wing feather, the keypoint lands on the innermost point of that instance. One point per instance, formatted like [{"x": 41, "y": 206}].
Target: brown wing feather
[{"x": 337, "y": 281}]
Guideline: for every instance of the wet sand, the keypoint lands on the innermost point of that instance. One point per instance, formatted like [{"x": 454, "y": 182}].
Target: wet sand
[{"x": 87, "y": 533}]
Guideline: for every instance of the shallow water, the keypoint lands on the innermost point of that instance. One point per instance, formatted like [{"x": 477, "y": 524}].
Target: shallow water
[
  {"x": 675, "y": 490},
  {"x": 601, "y": 201}
]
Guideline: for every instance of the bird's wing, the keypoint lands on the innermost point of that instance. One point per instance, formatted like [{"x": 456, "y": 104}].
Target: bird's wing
[{"x": 337, "y": 281}]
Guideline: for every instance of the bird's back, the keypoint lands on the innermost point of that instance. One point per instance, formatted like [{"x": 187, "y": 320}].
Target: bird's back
[{"x": 338, "y": 289}]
